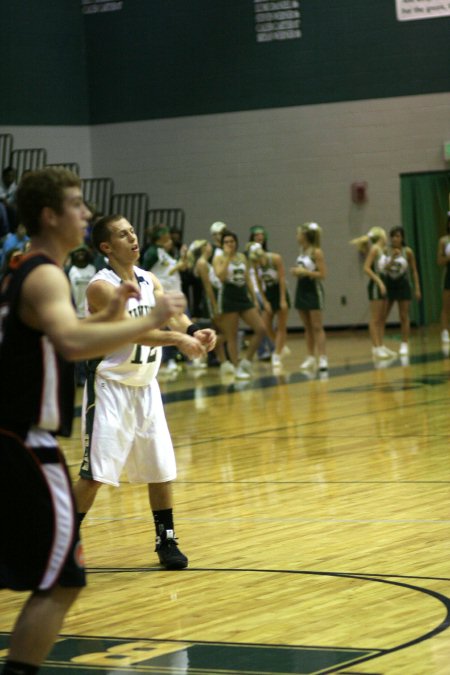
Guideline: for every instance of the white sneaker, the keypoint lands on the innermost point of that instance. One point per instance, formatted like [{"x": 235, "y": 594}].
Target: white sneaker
[
  {"x": 445, "y": 337},
  {"x": 171, "y": 366},
  {"x": 199, "y": 363},
  {"x": 245, "y": 365},
  {"x": 309, "y": 363},
  {"x": 285, "y": 351},
  {"x": 381, "y": 353},
  {"x": 227, "y": 368},
  {"x": 404, "y": 349},
  {"x": 388, "y": 351},
  {"x": 323, "y": 363},
  {"x": 276, "y": 360},
  {"x": 242, "y": 374}
]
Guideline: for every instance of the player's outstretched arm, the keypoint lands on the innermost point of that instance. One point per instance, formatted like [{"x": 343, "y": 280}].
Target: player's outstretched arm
[{"x": 46, "y": 305}]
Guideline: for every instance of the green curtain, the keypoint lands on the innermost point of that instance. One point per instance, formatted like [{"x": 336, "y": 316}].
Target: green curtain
[{"x": 425, "y": 203}]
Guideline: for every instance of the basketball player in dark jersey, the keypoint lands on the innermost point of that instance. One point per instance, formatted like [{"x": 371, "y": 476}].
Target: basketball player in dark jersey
[{"x": 40, "y": 336}]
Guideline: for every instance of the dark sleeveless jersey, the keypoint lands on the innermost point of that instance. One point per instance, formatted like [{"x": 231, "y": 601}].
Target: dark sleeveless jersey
[{"x": 36, "y": 385}]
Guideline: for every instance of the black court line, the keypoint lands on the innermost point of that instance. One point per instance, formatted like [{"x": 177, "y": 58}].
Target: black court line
[
  {"x": 373, "y": 653},
  {"x": 157, "y": 568},
  {"x": 292, "y": 378},
  {"x": 267, "y": 381}
]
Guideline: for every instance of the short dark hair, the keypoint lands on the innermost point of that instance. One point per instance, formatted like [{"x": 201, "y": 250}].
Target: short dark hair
[
  {"x": 229, "y": 233},
  {"x": 100, "y": 230},
  {"x": 40, "y": 189},
  {"x": 398, "y": 230}
]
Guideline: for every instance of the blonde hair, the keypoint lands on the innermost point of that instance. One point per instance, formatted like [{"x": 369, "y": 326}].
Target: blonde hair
[
  {"x": 372, "y": 237},
  {"x": 195, "y": 250},
  {"x": 312, "y": 231}
]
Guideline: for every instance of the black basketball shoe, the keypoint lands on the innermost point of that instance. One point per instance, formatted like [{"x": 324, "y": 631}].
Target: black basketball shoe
[{"x": 168, "y": 552}]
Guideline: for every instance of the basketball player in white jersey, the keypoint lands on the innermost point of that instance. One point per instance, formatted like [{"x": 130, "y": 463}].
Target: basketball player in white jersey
[{"x": 124, "y": 425}]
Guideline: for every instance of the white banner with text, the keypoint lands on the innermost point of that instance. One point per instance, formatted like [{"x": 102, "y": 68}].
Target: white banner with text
[{"x": 411, "y": 10}]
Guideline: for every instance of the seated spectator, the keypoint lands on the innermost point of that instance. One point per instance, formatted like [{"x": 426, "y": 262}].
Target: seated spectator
[
  {"x": 4, "y": 221},
  {"x": 159, "y": 260},
  {"x": 15, "y": 240},
  {"x": 8, "y": 189},
  {"x": 80, "y": 271}
]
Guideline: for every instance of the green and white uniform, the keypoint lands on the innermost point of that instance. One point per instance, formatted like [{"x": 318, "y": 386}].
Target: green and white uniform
[
  {"x": 271, "y": 283},
  {"x": 396, "y": 271},
  {"x": 373, "y": 290},
  {"x": 309, "y": 293},
  {"x": 447, "y": 267},
  {"x": 234, "y": 295}
]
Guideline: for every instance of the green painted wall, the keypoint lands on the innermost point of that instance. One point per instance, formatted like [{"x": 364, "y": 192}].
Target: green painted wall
[
  {"x": 167, "y": 58},
  {"x": 160, "y": 58},
  {"x": 43, "y": 78}
]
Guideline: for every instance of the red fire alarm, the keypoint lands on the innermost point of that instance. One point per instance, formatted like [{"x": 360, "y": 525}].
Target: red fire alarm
[{"x": 359, "y": 192}]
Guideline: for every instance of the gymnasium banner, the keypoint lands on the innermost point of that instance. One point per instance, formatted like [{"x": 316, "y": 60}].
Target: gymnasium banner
[
  {"x": 411, "y": 10},
  {"x": 96, "y": 6},
  {"x": 277, "y": 20}
]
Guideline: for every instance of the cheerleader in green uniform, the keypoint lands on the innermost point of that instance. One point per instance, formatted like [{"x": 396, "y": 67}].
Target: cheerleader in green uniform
[
  {"x": 443, "y": 259},
  {"x": 237, "y": 300},
  {"x": 400, "y": 266},
  {"x": 375, "y": 243},
  {"x": 310, "y": 271},
  {"x": 271, "y": 279},
  {"x": 199, "y": 256}
]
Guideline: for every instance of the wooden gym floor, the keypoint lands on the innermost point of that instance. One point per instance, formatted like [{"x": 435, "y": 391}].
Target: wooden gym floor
[{"x": 316, "y": 517}]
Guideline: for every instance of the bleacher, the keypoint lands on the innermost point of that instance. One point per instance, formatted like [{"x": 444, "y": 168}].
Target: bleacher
[{"x": 99, "y": 192}]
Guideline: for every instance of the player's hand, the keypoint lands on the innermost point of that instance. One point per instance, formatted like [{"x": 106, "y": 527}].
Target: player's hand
[
  {"x": 190, "y": 346},
  {"x": 167, "y": 306},
  {"x": 207, "y": 337},
  {"x": 116, "y": 308}
]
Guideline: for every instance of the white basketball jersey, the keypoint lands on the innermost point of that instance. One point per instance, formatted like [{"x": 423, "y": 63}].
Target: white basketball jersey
[{"x": 133, "y": 365}]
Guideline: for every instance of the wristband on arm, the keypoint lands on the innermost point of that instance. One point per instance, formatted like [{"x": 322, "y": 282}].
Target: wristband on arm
[{"x": 192, "y": 328}]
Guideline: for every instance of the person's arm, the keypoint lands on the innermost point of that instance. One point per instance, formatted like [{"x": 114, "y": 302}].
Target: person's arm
[
  {"x": 99, "y": 295},
  {"x": 220, "y": 264},
  {"x": 249, "y": 283},
  {"x": 266, "y": 306},
  {"x": 442, "y": 258},
  {"x": 374, "y": 251},
  {"x": 203, "y": 273},
  {"x": 321, "y": 271},
  {"x": 415, "y": 274},
  {"x": 279, "y": 266},
  {"x": 46, "y": 305},
  {"x": 181, "y": 323}
]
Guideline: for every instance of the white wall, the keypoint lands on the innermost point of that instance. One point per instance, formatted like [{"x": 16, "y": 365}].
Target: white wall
[
  {"x": 63, "y": 143},
  {"x": 278, "y": 168}
]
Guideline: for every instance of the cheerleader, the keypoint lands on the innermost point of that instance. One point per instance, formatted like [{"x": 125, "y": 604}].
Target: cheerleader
[
  {"x": 310, "y": 271},
  {"x": 375, "y": 245},
  {"x": 443, "y": 259},
  {"x": 236, "y": 300},
  {"x": 199, "y": 256},
  {"x": 399, "y": 266},
  {"x": 271, "y": 279}
]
